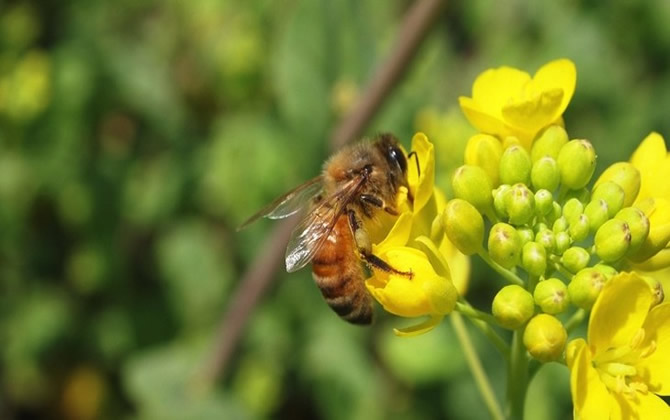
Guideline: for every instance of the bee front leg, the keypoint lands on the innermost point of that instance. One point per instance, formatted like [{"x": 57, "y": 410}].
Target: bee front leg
[
  {"x": 378, "y": 202},
  {"x": 365, "y": 247}
]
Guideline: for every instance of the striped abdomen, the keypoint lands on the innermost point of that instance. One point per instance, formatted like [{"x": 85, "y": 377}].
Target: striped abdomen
[{"x": 337, "y": 272}]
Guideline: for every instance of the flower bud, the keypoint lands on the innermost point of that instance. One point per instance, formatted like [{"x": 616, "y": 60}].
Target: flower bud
[
  {"x": 484, "y": 151},
  {"x": 575, "y": 258},
  {"x": 563, "y": 242},
  {"x": 515, "y": 166},
  {"x": 554, "y": 214},
  {"x": 543, "y": 202},
  {"x": 549, "y": 143},
  {"x": 598, "y": 213},
  {"x": 560, "y": 225},
  {"x": 585, "y": 287},
  {"x": 572, "y": 209},
  {"x": 579, "y": 228},
  {"x": 513, "y": 306},
  {"x": 606, "y": 270},
  {"x": 625, "y": 175},
  {"x": 612, "y": 194},
  {"x": 657, "y": 211},
  {"x": 464, "y": 226},
  {"x": 583, "y": 195},
  {"x": 545, "y": 338},
  {"x": 526, "y": 234},
  {"x": 637, "y": 223},
  {"x": 534, "y": 258},
  {"x": 546, "y": 238},
  {"x": 612, "y": 240},
  {"x": 540, "y": 226},
  {"x": 551, "y": 296},
  {"x": 545, "y": 174},
  {"x": 499, "y": 200},
  {"x": 520, "y": 204},
  {"x": 473, "y": 185},
  {"x": 576, "y": 161},
  {"x": 504, "y": 245}
]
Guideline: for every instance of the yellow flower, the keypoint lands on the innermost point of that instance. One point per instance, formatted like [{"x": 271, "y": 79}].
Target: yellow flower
[
  {"x": 508, "y": 102},
  {"x": 621, "y": 370},
  {"x": 652, "y": 160},
  {"x": 430, "y": 292},
  {"x": 425, "y": 293}
]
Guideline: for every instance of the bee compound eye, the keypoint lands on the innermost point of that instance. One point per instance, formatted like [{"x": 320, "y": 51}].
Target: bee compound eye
[{"x": 396, "y": 155}]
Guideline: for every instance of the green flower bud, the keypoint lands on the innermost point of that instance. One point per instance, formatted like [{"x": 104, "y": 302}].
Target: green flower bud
[
  {"x": 585, "y": 287},
  {"x": 612, "y": 194},
  {"x": 520, "y": 204},
  {"x": 545, "y": 338},
  {"x": 560, "y": 225},
  {"x": 545, "y": 174},
  {"x": 464, "y": 226},
  {"x": 534, "y": 258},
  {"x": 579, "y": 228},
  {"x": 515, "y": 166},
  {"x": 638, "y": 223},
  {"x": 549, "y": 143},
  {"x": 543, "y": 202},
  {"x": 612, "y": 240},
  {"x": 572, "y": 209},
  {"x": 484, "y": 151},
  {"x": 504, "y": 245},
  {"x": 598, "y": 213},
  {"x": 526, "y": 234},
  {"x": 606, "y": 270},
  {"x": 656, "y": 289},
  {"x": 551, "y": 296},
  {"x": 513, "y": 306},
  {"x": 575, "y": 258},
  {"x": 546, "y": 238},
  {"x": 563, "y": 242},
  {"x": 576, "y": 161},
  {"x": 582, "y": 194},
  {"x": 499, "y": 200},
  {"x": 554, "y": 214},
  {"x": 473, "y": 185},
  {"x": 540, "y": 226},
  {"x": 625, "y": 175}
]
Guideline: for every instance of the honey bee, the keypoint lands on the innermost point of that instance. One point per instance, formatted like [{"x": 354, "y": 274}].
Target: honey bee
[{"x": 356, "y": 183}]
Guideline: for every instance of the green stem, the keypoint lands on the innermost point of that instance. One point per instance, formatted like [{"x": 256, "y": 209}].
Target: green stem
[
  {"x": 532, "y": 282},
  {"x": 481, "y": 380},
  {"x": 517, "y": 380},
  {"x": 575, "y": 320},
  {"x": 507, "y": 275},
  {"x": 556, "y": 261},
  {"x": 484, "y": 322}
]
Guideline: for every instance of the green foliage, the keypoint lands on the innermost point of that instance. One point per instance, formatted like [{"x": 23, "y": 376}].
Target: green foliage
[{"x": 136, "y": 136}]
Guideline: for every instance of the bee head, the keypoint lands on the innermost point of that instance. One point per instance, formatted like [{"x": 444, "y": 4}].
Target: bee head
[{"x": 393, "y": 153}]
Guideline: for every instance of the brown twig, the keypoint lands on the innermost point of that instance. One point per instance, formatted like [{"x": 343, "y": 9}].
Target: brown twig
[{"x": 259, "y": 276}]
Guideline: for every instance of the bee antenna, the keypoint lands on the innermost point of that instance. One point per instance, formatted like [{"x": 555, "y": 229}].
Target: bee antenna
[{"x": 416, "y": 159}]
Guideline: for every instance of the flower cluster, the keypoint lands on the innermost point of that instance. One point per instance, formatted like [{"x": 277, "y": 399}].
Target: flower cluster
[{"x": 566, "y": 244}]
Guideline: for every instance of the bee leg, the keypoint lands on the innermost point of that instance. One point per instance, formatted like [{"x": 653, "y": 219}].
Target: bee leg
[
  {"x": 365, "y": 247},
  {"x": 378, "y": 202}
]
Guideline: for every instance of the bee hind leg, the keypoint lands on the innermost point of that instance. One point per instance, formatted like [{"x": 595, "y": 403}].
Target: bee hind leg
[
  {"x": 378, "y": 202},
  {"x": 365, "y": 247}
]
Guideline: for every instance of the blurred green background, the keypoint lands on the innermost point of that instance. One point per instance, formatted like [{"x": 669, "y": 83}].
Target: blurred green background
[{"x": 136, "y": 135}]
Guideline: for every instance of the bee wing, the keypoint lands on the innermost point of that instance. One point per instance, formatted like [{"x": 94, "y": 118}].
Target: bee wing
[
  {"x": 289, "y": 203},
  {"x": 314, "y": 228}
]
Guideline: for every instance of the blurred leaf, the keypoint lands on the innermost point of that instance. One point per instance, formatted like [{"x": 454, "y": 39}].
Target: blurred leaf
[{"x": 197, "y": 272}]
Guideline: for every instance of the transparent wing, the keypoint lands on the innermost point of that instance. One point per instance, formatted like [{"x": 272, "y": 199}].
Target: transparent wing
[
  {"x": 315, "y": 227},
  {"x": 289, "y": 203}
]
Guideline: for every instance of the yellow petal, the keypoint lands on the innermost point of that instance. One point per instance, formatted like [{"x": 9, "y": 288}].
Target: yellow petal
[
  {"x": 419, "y": 329},
  {"x": 651, "y": 159},
  {"x": 493, "y": 88},
  {"x": 659, "y": 261},
  {"x": 655, "y": 369},
  {"x": 619, "y": 312},
  {"x": 534, "y": 112},
  {"x": 486, "y": 123},
  {"x": 459, "y": 266},
  {"x": 398, "y": 235},
  {"x": 657, "y": 211},
  {"x": 590, "y": 397},
  {"x": 641, "y": 406},
  {"x": 561, "y": 74},
  {"x": 421, "y": 185}
]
